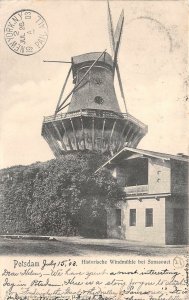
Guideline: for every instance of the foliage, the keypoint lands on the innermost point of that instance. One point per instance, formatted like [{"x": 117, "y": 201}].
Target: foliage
[{"x": 62, "y": 196}]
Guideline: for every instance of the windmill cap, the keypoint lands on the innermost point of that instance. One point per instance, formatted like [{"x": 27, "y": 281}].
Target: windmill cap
[{"x": 81, "y": 60}]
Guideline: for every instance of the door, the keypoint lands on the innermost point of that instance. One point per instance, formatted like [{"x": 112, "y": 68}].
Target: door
[{"x": 178, "y": 221}]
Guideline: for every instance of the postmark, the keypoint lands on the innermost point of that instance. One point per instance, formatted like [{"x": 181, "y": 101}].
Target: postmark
[{"x": 26, "y": 32}]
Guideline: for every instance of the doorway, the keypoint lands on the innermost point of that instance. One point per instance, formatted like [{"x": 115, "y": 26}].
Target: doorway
[{"x": 178, "y": 225}]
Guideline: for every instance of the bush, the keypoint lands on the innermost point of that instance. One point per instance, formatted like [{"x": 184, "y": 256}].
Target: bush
[{"x": 59, "y": 197}]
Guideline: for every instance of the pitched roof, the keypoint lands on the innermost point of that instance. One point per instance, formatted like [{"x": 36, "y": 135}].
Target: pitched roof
[
  {"x": 91, "y": 57},
  {"x": 127, "y": 152}
]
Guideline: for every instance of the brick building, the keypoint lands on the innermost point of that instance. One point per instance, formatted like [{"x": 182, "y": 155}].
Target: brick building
[{"x": 156, "y": 205}]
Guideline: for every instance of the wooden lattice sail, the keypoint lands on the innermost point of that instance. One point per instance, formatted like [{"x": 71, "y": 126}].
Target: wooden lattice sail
[{"x": 93, "y": 120}]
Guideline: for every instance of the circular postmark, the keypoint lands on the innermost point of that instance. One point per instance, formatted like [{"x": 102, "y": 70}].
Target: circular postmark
[
  {"x": 178, "y": 262},
  {"x": 26, "y": 32}
]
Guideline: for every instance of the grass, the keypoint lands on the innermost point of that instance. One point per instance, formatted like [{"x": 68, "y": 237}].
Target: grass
[{"x": 78, "y": 246}]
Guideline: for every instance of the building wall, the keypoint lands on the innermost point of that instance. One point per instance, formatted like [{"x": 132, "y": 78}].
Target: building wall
[
  {"x": 163, "y": 177},
  {"x": 171, "y": 235},
  {"x": 159, "y": 176},
  {"x": 113, "y": 230},
  {"x": 179, "y": 177},
  {"x": 141, "y": 233},
  {"x": 99, "y": 82}
]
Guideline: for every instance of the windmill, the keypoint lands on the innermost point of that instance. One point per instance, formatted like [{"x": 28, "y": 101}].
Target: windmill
[{"x": 93, "y": 120}]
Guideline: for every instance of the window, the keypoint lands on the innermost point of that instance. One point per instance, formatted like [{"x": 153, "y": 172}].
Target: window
[
  {"x": 98, "y": 100},
  {"x": 132, "y": 221},
  {"x": 149, "y": 217},
  {"x": 118, "y": 217}
]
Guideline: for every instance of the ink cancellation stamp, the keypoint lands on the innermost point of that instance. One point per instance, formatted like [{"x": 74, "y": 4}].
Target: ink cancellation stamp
[{"x": 26, "y": 32}]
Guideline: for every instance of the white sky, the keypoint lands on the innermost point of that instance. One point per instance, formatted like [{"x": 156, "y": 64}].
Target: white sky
[{"x": 152, "y": 61}]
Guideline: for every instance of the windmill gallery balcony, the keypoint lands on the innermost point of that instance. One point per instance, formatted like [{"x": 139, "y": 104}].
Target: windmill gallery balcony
[
  {"x": 95, "y": 113},
  {"x": 92, "y": 129}
]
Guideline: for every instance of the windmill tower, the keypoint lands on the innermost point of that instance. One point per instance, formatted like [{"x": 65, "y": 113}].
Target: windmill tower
[{"x": 94, "y": 120}]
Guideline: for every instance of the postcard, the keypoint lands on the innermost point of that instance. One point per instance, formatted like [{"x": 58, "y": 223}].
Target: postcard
[{"x": 94, "y": 150}]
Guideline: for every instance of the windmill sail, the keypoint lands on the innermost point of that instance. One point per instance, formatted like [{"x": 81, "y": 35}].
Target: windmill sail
[
  {"x": 115, "y": 43},
  {"x": 93, "y": 121},
  {"x": 119, "y": 27},
  {"x": 111, "y": 30},
  {"x": 62, "y": 91},
  {"x": 58, "y": 61}
]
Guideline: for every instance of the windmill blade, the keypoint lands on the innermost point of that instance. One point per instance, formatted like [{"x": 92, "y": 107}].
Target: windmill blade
[
  {"x": 117, "y": 39},
  {"x": 111, "y": 30},
  {"x": 115, "y": 58},
  {"x": 62, "y": 91},
  {"x": 58, "y": 61},
  {"x": 115, "y": 66},
  {"x": 121, "y": 86},
  {"x": 79, "y": 87},
  {"x": 119, "y": 28},
  {"x": 117, "y": 36},
  {"x": 65, "y": 105}
]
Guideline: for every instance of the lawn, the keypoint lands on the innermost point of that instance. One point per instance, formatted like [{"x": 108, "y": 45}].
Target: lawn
[{"x": 78, "y": 246}]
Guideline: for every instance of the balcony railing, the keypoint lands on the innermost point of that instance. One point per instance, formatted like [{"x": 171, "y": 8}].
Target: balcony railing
[
  {"x": 136, "y": 189},
  {"x": 95, "y": 113}
]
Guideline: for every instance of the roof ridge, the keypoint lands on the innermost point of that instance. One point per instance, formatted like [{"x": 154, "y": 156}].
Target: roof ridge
[{"x": 163, "y": 153}]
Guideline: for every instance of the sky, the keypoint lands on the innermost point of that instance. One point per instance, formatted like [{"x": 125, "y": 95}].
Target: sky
[{"x": 152, "y": 61}]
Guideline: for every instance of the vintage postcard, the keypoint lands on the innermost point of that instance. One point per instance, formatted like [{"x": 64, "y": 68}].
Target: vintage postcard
[{"x": 94, "y": 150}]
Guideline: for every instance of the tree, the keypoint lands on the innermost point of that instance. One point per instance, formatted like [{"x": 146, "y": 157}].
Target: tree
[{"x": 62, "y": 196}]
